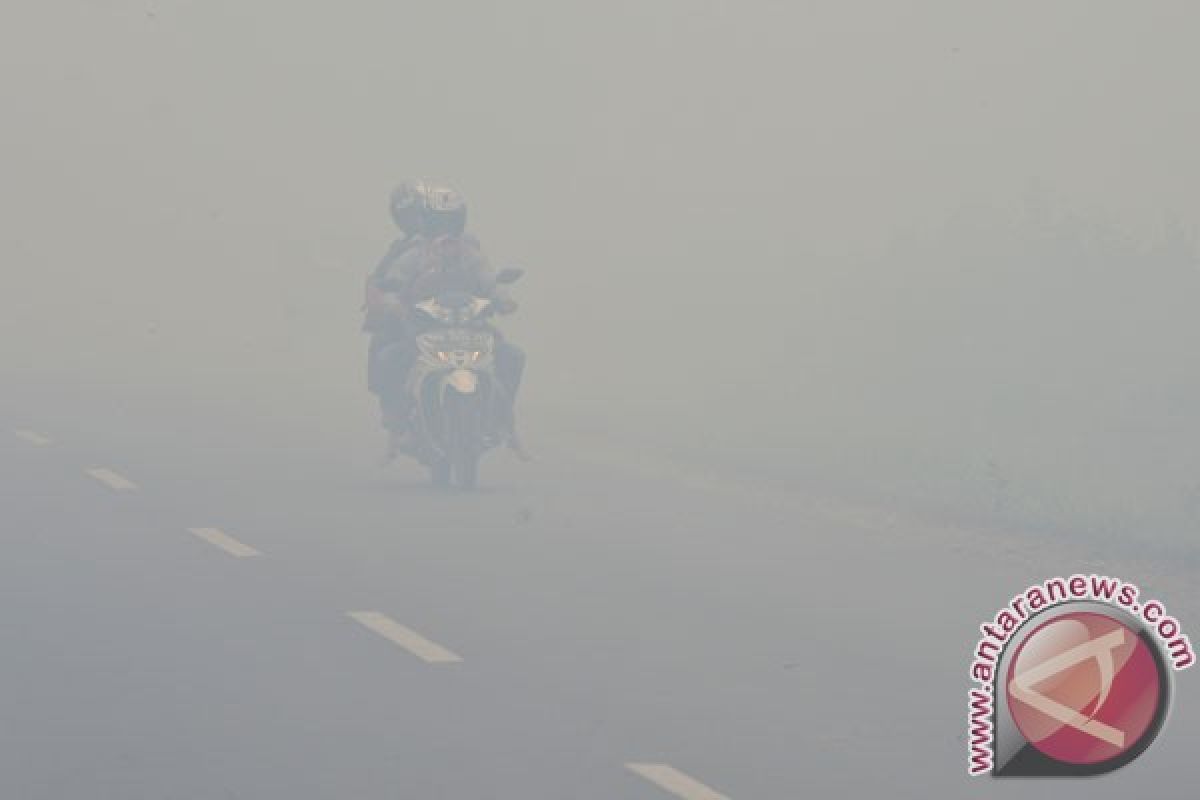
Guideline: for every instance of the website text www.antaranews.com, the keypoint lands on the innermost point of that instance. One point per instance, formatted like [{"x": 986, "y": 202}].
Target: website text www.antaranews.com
[{"x": 1037, "y": 598}]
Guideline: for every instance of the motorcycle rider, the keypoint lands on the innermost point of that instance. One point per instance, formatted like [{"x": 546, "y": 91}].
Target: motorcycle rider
[
  {"x": 407, "y": 207},
  {"x": 440, "y": 257}
]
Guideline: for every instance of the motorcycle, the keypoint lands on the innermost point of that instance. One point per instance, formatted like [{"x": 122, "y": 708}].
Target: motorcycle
[{"x": 460, "y": 410}]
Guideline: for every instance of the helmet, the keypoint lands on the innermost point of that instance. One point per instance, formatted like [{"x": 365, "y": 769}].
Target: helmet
[
  {"x": 445, "y": 212},
  {"x": 408, "y": 205}
]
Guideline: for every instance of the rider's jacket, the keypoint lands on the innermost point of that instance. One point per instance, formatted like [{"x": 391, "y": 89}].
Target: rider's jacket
[
  {"x": 416, "y": 268},
  {"x": 376, "y": 317}
]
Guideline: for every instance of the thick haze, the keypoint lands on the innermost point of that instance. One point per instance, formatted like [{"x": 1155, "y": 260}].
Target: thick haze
[{"x": 943, "y": 250}]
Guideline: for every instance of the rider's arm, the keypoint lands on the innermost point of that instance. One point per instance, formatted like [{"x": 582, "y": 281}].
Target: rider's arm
[
  {"x": 501, "y": 299},
  {"x": 393, "y": 254},
  {"x": 381, "y": 293}
]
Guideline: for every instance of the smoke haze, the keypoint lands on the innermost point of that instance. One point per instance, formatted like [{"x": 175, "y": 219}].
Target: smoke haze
[{"x": 882, "y": 239}]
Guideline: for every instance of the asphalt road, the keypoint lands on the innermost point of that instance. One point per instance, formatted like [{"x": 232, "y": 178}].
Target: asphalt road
[{"x": 220, "y": 600}]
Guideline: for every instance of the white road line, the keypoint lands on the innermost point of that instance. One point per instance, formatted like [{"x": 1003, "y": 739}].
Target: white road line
[
  {"x": 111, "y": 479},
  {"x": 410, "y": 640},
  {"x": 672, "y": 780},
  {"x": 33, "y": 437},
  {"x": 218, "y": 537}
]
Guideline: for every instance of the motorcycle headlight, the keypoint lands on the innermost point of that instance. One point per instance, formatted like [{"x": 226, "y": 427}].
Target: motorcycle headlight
[
  {"x": 457, "y": 348},
  {"x": 460, "y": 358}
]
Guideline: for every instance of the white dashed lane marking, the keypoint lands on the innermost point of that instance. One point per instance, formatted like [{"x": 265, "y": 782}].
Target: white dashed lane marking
[
  {"x": 111, "y": 479},
  {"x": 410, "y": 640},
  {"x": 33, "y": 437},
  {"x": 218, "y": 538},
  {"x": 677, "y": 783}
]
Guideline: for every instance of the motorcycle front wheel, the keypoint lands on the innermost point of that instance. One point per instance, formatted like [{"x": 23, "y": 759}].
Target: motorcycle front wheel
[
  {"x": 466, "y": 437},
  {"x": 439, "y": 473}
]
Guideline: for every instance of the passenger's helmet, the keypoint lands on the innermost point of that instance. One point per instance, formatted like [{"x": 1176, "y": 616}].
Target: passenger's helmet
[
  {"x": 408, "y": 206},
  {"x": 445, "y": 212}
]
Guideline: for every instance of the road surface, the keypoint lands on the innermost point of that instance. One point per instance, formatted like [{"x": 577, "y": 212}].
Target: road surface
[{"x": 218, "y": 599}]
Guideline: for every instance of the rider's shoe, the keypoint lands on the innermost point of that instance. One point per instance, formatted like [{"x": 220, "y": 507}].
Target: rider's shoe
[
  {"x": 398, "y": 442},
  {"x": 517, "y": 446}
]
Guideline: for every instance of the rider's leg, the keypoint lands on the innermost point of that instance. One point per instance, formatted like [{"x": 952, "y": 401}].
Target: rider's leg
[
  {"x": 510, "y": 365},
  {"x": 393, "y": 363},
  {"x": 376, "y": 344}
]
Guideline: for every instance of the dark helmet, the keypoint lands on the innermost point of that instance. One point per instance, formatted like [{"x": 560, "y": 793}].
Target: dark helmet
[
  {"x": 408, "y": 206},
  {"x": 445, "y": 212}
]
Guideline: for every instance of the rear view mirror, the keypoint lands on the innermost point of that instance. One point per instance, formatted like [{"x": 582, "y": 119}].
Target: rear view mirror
[{"x": 509, "y": 275}]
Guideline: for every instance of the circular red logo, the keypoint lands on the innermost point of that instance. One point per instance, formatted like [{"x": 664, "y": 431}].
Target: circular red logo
[{"x": 1084, "y": 688}]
